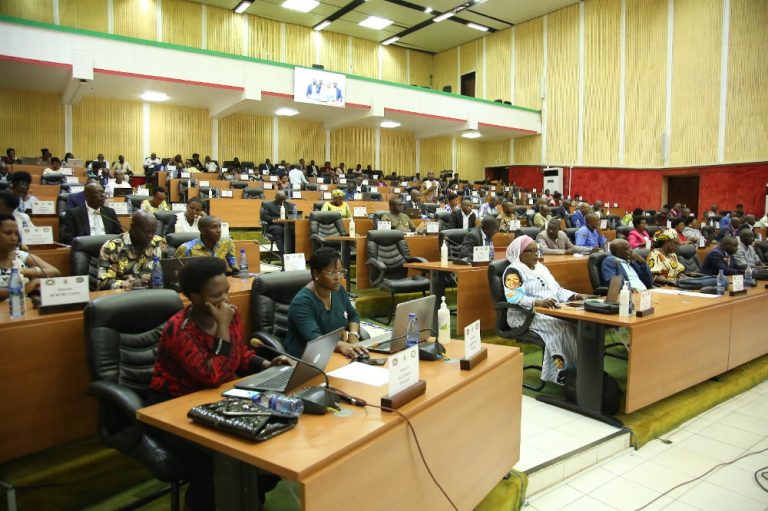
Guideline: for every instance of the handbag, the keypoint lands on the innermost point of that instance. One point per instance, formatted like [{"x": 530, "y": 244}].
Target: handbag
[
  {"x": 601, "y": 307},
  {"x": 253, "y": 427}
]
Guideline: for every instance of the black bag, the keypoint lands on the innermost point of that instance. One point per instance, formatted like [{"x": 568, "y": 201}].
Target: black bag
[
  {"x": 611, "y": 390},
  {"x": 601, "y": 307},
  {"x": 252, "y": 427},
  {"x": 697, "y": 283}
]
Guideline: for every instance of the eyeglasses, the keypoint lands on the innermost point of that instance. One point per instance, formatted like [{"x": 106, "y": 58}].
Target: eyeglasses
[
  {"x": 531, "y": 250},
  {"x": 334, "y": 273}
]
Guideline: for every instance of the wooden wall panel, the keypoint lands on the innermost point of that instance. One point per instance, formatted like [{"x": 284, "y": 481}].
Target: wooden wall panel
[
  {"x": 394, "y": 64},
  {"x": 472, "y": 60},
  {"x": 421, "y": 67},
  {"x": 264, "y": 39},
  {"x": 247, "y": 137},
  {"x": 746, "y": 132},
  {"x": 182, "y": 22},
  {"x": 602, "y": 48},
  {"x": 334, "y": 52},
  {"x": 499, "y": 64},
  {"x": 225, "y": 31},
  {"x": 562, "y": 85},
  {"x": 26, "y": 136},
  {"x": 469, "y": 159},
  {"x": 353, "y": 145},
  {"x": 398, "y": 152},
  {"x": 300, "y": 139},
  {"x": 38, "y": 10},
  {"x": 529, "y": 46},
  {"x": 696, "y": 81},
  {"x": 435, "y": 155},
  {"x": 365, "y": 58},
  {"x": 179, "y": 130},
  {"x": 445, "y": 71},
  {"x": 495, "y": 153},
  {"x": 645, "y": 81},
  {"x": 299, "y": 49},
  {"x": 135, "y": 18},
  {"x": 85, "y": 14},
  {"x": 119, "y": 130}
]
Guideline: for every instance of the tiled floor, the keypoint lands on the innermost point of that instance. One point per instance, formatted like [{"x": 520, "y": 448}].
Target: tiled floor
[{"x": 632, "y": 479}]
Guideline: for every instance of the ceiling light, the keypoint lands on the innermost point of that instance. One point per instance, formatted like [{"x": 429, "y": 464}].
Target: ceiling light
[
  {"x": 442, "y": 17},
  {"x": 428, "y": 10},
  {"x": 286, "y": 112},
  {"x": 389, "y": 124},
  {"x": 479, "y": 1},
  {"x": 375, "y": 22},
  {"x": 477, "y": 27},
  {"x": 154, "y": 96},
  {"x": 242, "y": 6},
  {"x": 300, "y": 5},
  {"x": 390, "y": 40},
  {"x": 471, "y": 134},
  {"x": 322, "y": 25}
]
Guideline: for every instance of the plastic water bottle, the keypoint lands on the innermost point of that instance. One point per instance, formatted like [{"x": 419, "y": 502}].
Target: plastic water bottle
[
  {"x": 540, "y": 252},
  {"x": 444, "y": 254},
  {"x": 16, "y": 293},
  {"x": 282, "y": 211},
  {"x": 279, "y": 403},
  {"x": 412, "y": 331},
  {"x": 748, "y": 279},
  {"x": 624, "y": 298},
  {"x": 156, "y": 279},
  {"x": 443, "y": 323},
  {"x": 352, "y": 227},
  {"x": 243, "y": 265},
  {"x": 722, "y": 283},
  {"x": 295, "y": 212}
]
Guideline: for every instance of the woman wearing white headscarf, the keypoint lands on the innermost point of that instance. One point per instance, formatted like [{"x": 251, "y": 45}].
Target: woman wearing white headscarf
[{"x": 529, "y": 284}]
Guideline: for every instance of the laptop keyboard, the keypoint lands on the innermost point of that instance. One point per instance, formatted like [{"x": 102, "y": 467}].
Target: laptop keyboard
[
  {"x": 279, "y": 382},
  {"x": 373, "y": 341}
]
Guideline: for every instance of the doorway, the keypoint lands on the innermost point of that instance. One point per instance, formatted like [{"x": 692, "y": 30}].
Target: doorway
[
  {"x": 685, "y": 190},
  {"x": 468, "y": 84}
]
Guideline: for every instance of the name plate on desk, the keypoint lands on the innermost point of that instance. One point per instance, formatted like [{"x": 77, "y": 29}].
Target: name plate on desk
[
  {"x": 295, "y": 262},
  {"x": 76, "y": 189},
  {"x": 184, "y": 174},
  {"x": 703, "y": 242},
  {"x": 433, "y": 227},
  {"x": 265, "y": 172},
  {"x": 178, "y": 207},
  {"x": 365, "y": 182},
  {"x": 403, "y": 370},
  {"x": 530, "y": 201},
  {"x": 396, "y": 190},
  {"x": 357, "y": 196},
  {"x": 737, "y": 283},
  {"x": 360, "y": 211},
  {"x": 404, "y": 183},
  {"x": 296, "y": 187},
  {"x": 645, "y": 300},
  {"x": 245, "y": 177},
  {"x": 323, "y": 188},
  {"x": 603, "y": 224},
  {"x": 225, "y": 229},
  {"x": 59, "y": 291},
  {"x": 71, "y": 180},
  {"x": 342, "y": 181},
  {"x": 42, "y": 235},
  {"x": 121, "y": 208},
  {"x": 267, "y": 186},
  {"x": 65, "y": 172},
  {"x": 296, "y": 195},
  {"x": 44, "y": 207},
  {"x": 142, "y": 192},
  {"x": 472, "y": 339},
  {"x": 273, "y": 179},
  {"x": 226, "y": 193},
  {"x": 204, "y": 183},
  {"x": 615, "y": 204},
  {"x": 373, "y": 189},
  {"x": 481, "y": 254},
  {"x": 383, "y": 225},
  {"x": 326, "y": 195}
]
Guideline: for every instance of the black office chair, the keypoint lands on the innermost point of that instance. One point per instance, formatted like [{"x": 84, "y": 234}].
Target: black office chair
[
  {"x": 374, "y": 196},
  {"x": 61, "y": 204},
  {"x": 253, "y": 193},
  {"x": 454, "y": 237},
  {"x": 387, "y": 253},
  {"x": 622, "y": 232},
  {"x": 271, "y": 294},
  {"x": 238, "y": 185},
  {"x": 761, "y": 248},
  {"x": 323, "y": 224},
  {"x": 689, "y": 257},
  {"x": 317, "y": 206},
  {"x": 272, "y": 251},
  {"x": 571, "y": 233},
  {"x": 177, "y": 239},
  {"x": 429, "y": 207},
  {"x": 652, "y": 229},
  {"x": 135, "y": 201},
  {"x": 641, "y": 251},
  {"x": 613, "y": 221},
  {"x": 121, "y": 335},
  {"x": 84, "y": 257},
  {"x": 521, "y": 332},
  {"x": 594, "y": 263},
  {"x": 53, "y": 179},
  {"x": 166, "y": 222},
  {"x": 443, "y": 220},
  {"x": 311, "y": 187},
  {"x": 528, "y": 231}
]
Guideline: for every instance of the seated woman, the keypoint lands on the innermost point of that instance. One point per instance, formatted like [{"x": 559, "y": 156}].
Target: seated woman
[
  {"x": 156, "y": 203},
  {"x": 662, "y": 260},
  {"x": 201, "y": 347},
  {"x": 33, "y": 268},
  {"x": 528, "y": 283},
  {"x": 639, "y": 237},
  {"x": 186, "y": 221},
  {"x": 322, "y": 306},
  {"x": 337, "y": 204}
]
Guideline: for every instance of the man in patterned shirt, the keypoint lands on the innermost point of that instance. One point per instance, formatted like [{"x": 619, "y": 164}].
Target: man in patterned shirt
[
  {"x": 210, "y": 244},
  {"x": 126, "y": 261}
]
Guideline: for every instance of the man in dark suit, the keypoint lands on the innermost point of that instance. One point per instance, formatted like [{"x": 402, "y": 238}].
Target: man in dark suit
[
  {"x": 270, "y": 211},
  {"x": 632, "y": 267},
  {"x": 267, "y": 165},
  {"x": 463, "y": 217},
  {"x": 91, "y": 218},
  {"x": 479, "y": 237}
]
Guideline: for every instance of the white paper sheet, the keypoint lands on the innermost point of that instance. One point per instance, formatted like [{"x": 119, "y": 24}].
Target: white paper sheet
[
  {"x": 684, "y": 293},
  {"x": 362, "y": 373}
]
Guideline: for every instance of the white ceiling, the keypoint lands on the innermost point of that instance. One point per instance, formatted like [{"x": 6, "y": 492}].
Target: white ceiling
[{"x": 436, "y": 37}]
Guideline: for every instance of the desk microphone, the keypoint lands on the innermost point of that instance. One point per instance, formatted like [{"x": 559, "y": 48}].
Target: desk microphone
[
  {"x": 110, "y": 219},
  {"x": 457, "y": 260},
  {"x": 316, "y": 399}
]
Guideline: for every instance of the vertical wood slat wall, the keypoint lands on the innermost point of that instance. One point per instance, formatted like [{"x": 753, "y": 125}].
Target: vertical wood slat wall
[
  {"x": 135, "y": 18},
  {"x": 435, "y": 155},
  {"x": 107, "y": 126},
  {"x": 353, "y": 145},
  {"x": 179, "y": 17},
  {"x": 398, "y": 152},
  {"x": 247, "y": 137},
  {"x": 85, "y": 14},
  {"x": 299, "y": 138},
  {"x": 16, "y": 130},
  {"x": 185, "y": 130},
  {"x": 529, "y": 46}
]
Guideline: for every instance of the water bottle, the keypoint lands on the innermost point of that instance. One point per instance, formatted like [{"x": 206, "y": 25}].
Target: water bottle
[
  {"x": 16, "y": 293},
  {"x": 444, "y": 254},
  {"x": 284, "y": 405},
  {"x": 295, "y": 212},
  {"x": 624, "y": 299},
  {"x": 282, "y": 211},
  {"x": 722, "y": 283},
  {"x": 540, "y": 252},
  {"x": 352, "y": 227},
  {"x": 748, "y": 279},
  {"x": 243, "y": 265},
  {"x": 412, "y": 331},
  {"x": 443, "y": 323},
  {"x": 156, "y": 278}
]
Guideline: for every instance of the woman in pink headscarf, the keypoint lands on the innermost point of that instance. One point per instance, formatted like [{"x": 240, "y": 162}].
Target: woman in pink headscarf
[{"x": 529, "y": 284}]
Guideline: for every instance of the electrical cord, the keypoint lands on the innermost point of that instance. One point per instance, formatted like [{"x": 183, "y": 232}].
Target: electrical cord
[
  {"x": 75, "y": 483},
  {"x": 362, "y": 403},
  {"x": 707, "y": 473},
  {"x": 762, "y": 472}
]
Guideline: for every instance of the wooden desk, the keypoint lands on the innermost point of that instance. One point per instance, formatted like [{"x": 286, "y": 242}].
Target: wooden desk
[
  {"x": 338, "y": 461},
  {"x": 60, "y": 257}
]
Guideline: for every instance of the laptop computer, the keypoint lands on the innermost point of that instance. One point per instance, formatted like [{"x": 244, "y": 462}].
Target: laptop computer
[
  {"x": 286, "y": 378},
  {"x": 413, "y": 213},
  {"x": 122, "y": 192},
  {"x": 171, "y": 269},
  {"x": 394, "y": 341}
]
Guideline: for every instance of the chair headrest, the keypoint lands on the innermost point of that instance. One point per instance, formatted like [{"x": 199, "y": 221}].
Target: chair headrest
[
  {"x": 385, "y": 236},
  {"x": 91, "y": 245},
  {"x": 165, "y": 216},
  {"x": 325, "y": 217},
  {"x": 280, "y": 286},
  {"x": 687, "y": 251},
  {"x": 133, "y": 312},
  {"x": 176, "y": 239}
]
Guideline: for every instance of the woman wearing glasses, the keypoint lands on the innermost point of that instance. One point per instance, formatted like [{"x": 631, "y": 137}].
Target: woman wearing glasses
[
  {"x": 528, "y": 283},
  {"x": 322, "y": 306}
]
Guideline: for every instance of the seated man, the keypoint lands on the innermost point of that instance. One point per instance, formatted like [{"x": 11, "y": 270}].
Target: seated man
[
  {"x": 507, "y": 216},
  {"x": 118, "y": 182},
  {"x": 122, "y": 166},
  {"x": 414, "y": 201},
  {"x": 729, "y": 227},
  {"x": 578, "y": 219},
  {"x": 479, "y": 237},
  {"x": 630, "y": 266},
  {"x": 126, "y": 261},
  {"x": 745, "y": 255},
  {"x": 589, "y": 236},
  {"x": 337, "y": 204},
  {"x": 90, "y": 219},
  {"x": 270, "y": 211},
  {"x": 156, "y": 203},
  {"x": 463, "y": 217},
  {"x": 554, "y": 241},
  {"x": 721, "y": 258},
  {"x": 54, "y": 169},
  {"x": 78, "y": 198},
  {"x": 211, "y": 244},
  {"x": 488, "y": 207},
  {"x": 395, "y": 216},
  {"x": 542, "y": 218}
]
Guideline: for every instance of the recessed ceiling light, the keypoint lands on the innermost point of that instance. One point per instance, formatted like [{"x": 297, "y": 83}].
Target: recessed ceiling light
[
  {"x": 427, "y": 10},
  {"x": 477, "y": 27},
  {"x": 300, "y": 5},
  {"x": 322, "y": 25},
  {"x": 390, "y": 40},
  {"x": 389, "y": 124},
  {"x": 471, "y": 134},
  {"x": 242, "y": 6},
  {"x": 286, "y": 112},
  {"x": 375, "y": 22},
  {"x": 154, "y": 96},
  {"x": 442, "y": 17}
]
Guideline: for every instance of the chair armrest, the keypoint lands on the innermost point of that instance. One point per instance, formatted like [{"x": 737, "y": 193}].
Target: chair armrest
[
  {"x": 380, "y": 268},
  {"x": 415, "y": 260},
  {"x": 259, "y": 339},
  {"x": 526, "y": 323},
  {"x": 124, "y": 398},
  {"x": 118, "y": 426},
  {"x": 317, "y": 237},
  {"x": 601, "y": 291}
]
